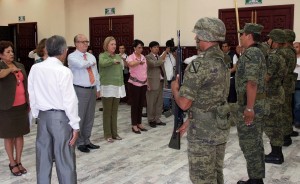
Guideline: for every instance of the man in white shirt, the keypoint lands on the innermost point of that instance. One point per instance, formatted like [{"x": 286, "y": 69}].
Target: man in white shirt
[
  {"x": 169, "y": 65},
  {"x": 87, "y": 87},
  {"x": 297, "y": 90},
  {"x": 53, "y": 100}
]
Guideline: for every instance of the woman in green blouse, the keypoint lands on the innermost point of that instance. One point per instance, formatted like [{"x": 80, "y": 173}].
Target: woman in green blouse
[{"x": 112, "y": 87}]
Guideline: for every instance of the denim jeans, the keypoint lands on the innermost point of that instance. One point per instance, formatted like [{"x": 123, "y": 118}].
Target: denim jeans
[
  {"x": 297, "y": 103},
  {"x": 167, "y": 101}
]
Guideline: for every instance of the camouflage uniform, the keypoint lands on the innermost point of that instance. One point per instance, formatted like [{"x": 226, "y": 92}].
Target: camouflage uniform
[
  {"x": 290, "y": 57},
  {"x": 252, "y": 67},
  {"x": 204, "y": 84},
  {"x": 276, "y": 70}
]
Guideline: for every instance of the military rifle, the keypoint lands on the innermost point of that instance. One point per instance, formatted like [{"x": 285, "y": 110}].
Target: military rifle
[{"x": 178, "y": 112}]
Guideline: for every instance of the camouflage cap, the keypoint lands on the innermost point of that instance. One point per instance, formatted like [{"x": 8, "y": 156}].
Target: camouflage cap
[
  {"x": 277, "y": 35},
  {"x": 290, "y": 35},
  {"x": 210, "y": 29},
  {"x": 252, "y": 28}
]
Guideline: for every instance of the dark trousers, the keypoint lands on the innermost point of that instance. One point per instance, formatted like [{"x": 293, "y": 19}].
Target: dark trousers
[
  {"x": 232, "y": 91},
  {"x": 138, "y": 95}
]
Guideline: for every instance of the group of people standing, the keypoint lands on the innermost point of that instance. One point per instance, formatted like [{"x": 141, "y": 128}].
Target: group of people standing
[
  {"x": 63, "y": 99},
  {"x": 264, "y": 85}
]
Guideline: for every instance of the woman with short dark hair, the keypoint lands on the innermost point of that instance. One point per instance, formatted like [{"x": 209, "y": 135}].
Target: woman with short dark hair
[
  {"x": 14, "y": 121},
  {"x": 137, "y": 85}
]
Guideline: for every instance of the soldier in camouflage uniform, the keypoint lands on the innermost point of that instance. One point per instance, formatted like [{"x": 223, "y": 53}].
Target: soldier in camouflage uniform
[
  {"x": 204, "y": 93},
  {"x": 276, "y": 70},
  {"x": 289, "y": 54},
  {"x": 250, "y": 88}
]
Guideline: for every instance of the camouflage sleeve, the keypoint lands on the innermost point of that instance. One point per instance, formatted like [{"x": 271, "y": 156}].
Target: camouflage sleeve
[
  {"x": 282, "y": 71},
  {"x": 273, "y": 61},
  {"x": 254, "y": 62},
  {"x": 193, "y": 77}
]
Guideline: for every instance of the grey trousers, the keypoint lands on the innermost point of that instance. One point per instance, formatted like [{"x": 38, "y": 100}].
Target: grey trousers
[
  {"x": 86, "y": 110},
  {"x": 52, "y": 141},
  {"x": 155, "y": 104}
]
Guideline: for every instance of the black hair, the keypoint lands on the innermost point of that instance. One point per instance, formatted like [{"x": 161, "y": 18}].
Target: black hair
[
  {"x": 170, "y": 43},
  {"x": 153, "y": 44},
  {"x": 137, "y": 42}
]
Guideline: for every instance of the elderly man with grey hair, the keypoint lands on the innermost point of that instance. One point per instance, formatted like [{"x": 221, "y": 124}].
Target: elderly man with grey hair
[{"x": 53, "y": 100}]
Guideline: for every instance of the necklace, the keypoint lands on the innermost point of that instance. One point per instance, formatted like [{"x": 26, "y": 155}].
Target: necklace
[{"x": 18, "y": 78}]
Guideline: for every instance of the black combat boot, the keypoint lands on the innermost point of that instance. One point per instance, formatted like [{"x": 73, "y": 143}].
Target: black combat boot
[
  {"x": 287, "y": 140},
  {"x": 251, "y": 181},
  {"x": 276, "y": 156}
]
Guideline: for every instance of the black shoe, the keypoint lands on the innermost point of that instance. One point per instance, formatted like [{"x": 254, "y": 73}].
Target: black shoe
[
  {"x": 152, "y": 124},
  {"x": 144, "y": 115},
  {"x": 100, "y": 109},
  {"x": 137, "y": 132},
  {"x": 287, "y": 141},
  {"x": 273, "y": 159},
  {"x": 92, "y": 146},
  {"x": 294, "y": 134},
  {"x": 83, "y": 148},
  {"x": 161, "y": 124},
  {"x": 251, "y": 181},
  {"x": 142, "y": 129}
]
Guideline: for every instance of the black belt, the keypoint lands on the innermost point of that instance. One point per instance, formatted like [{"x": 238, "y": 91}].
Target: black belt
[
  {"x": 136, "y": 80},
  {"x": 55, "y": 110},
  {"x": 90, "y": 87}
]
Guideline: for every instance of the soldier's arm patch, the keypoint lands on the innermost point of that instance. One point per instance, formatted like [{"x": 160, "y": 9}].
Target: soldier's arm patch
[{"x": 194, "y": 66}]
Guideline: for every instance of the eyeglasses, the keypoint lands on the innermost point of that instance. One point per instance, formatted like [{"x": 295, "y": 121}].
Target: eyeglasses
[{"x": 84, "y": 42}]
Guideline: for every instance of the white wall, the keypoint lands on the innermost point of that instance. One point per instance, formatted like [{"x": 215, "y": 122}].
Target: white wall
[
  {"x": 49, "y": 15},
  {"x": 153, "y": 19}
]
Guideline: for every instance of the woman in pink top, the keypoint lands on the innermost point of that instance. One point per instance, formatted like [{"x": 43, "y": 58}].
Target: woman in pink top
[
  {"x": 137, "y": 85},
  {"x": 14, "y": 121}
]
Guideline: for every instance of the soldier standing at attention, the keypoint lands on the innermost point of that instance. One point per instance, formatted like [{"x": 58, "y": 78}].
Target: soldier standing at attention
[
  {"x": 250, "y": 88},
  {"x": 289, "y": 54},
  {"x": 204, "y": 93},
  {"x": 276, "y": 70}
]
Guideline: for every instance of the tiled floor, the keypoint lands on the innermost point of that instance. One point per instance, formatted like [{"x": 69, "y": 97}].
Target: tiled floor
[{"x": 146, "y": 158}]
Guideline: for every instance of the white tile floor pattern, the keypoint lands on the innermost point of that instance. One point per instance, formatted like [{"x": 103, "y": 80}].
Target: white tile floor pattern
[{"x": 146, "y": 158}]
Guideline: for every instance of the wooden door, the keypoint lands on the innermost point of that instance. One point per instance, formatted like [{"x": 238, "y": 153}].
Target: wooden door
[
  {"x": 25, "y": 40},
  {"x": 120, "y": 27},
  {"x": 6, "y": 33},
  {"x": 269, "y": 16}
]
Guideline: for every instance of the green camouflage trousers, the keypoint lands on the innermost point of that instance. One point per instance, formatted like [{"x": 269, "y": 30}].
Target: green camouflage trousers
[
  {"x": 251, "y": 143},
  {"x": 287, "y": 115},
  {"x": 206, "y": 163},
  {"x": 274, "y": 125}
]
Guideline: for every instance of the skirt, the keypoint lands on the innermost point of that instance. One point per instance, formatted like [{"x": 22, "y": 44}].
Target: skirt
[{"x": 14, "y": 122}]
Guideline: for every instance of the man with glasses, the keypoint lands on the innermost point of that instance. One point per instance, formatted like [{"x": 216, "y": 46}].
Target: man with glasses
[{"x": 87, "y": 86}]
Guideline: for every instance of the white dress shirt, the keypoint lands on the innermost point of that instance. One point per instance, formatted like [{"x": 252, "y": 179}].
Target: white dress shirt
[
  {"x": 33, "y": 55},
  {"x": 297, "y": 69},
  {"x": 79, "y": 65},
  {"x": 50, "y": 86},
  {"x": 190, "y": 59},
  {"x": 170, "y": 63}
]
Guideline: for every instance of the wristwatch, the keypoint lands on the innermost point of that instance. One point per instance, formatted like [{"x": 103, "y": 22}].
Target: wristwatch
[
  {"x": 76, "y": 130},
  {"x": 249, "y": 109}
]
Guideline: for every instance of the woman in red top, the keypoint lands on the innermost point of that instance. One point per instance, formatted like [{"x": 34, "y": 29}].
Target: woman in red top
[{"x": 14, "y": 121}]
